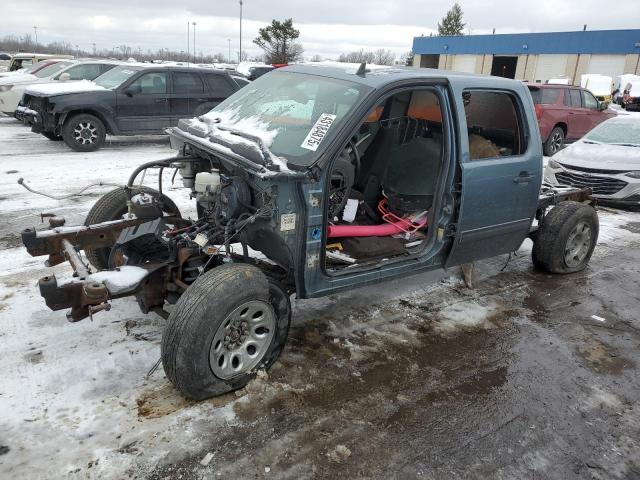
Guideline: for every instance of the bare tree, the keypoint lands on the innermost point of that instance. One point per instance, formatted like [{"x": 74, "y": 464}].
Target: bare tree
[
  {"x": 316, "y": 58},
  {"x": 384, "y": 57},
  {"x": 379, "y": 57}
]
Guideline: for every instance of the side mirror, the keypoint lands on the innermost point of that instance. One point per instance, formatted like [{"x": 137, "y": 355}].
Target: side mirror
[
  {"x": 64, "y": 77},
  {"x": 602, "y": 106},
  {"x": 131, "y": 90}
]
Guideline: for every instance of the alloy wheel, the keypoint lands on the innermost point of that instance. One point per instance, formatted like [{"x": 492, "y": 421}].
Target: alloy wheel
[{"x": 85, "y": 133}]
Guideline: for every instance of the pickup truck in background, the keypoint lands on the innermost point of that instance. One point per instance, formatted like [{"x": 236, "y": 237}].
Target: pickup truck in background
[{"x": 339, "y": 179}]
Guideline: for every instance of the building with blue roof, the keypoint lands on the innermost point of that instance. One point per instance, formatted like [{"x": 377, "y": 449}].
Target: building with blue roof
[{"x": 536, "y": 57}]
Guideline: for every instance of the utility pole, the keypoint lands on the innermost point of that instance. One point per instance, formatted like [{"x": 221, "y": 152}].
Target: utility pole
[
  {"x": 240, "y": 54},
  {"x": 229, "y": 57},
  {"x": 94, "y": 48},
  {"x": 188, "y": 45},
  {"x": 35, "y": 30},
  {"x": 194, "y": 42}
]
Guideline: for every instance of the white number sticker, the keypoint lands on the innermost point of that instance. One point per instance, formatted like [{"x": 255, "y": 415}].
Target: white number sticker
[
  {"x": 318, "y": 132},
  {"x": 287, "y": 222}
]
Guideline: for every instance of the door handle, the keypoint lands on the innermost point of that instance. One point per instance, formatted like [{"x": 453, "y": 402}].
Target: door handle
[
  {"x": 160, "y": 100},
  {"x": 523, "y": 177}
]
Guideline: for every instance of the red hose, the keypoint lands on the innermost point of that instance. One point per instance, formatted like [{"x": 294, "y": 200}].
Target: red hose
[{"x": 384, "y": 230}]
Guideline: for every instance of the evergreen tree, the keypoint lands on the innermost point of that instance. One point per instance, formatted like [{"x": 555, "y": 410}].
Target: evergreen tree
[
  {"x": 452, "y": 22},
  {"x": 278, "y": 41}
]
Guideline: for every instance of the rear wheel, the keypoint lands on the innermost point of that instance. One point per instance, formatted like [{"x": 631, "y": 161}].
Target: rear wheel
[
  {"x": 83, "y": 132},
  {"x": 555, "y": 142},
  {"x": 230, "y": 322},
  {"x": 113, "y": 206},
  {"x": 566, "y": 238}
]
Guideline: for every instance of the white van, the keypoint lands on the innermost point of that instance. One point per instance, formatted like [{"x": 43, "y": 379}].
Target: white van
[{"x": 23, "y": 60}]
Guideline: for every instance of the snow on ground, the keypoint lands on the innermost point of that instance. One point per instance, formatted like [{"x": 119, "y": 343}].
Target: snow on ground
[{"x": 75, "y": 399}]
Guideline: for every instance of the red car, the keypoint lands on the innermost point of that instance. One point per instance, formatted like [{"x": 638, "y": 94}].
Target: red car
[{"x": 565, "y": 113}]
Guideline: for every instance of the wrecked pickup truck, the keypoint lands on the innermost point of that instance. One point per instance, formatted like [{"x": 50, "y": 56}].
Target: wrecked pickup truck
[{"x": 313, "y": 180}]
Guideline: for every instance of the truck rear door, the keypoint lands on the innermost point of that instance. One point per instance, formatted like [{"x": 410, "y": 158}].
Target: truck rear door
[{"x": 501, "y": 172}]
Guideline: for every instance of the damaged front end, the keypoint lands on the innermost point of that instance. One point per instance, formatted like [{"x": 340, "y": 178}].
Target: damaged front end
[
  {"x": 152, "y": 252},
  {"x": 88, "y": 293}
]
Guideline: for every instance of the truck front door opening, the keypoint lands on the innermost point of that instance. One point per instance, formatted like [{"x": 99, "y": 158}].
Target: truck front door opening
[{"x": 382, "y": 186}]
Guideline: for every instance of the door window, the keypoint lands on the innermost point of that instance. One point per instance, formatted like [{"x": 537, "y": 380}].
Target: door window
[
  {"x": 88, "y": 71},
  {"x": 590, "y": 101},
  {"x": 494, "y": 124},
  {"x": 187, "y": 82},
  {"x": 572, "y": 98},
  {"x": 150, "y": 83}
]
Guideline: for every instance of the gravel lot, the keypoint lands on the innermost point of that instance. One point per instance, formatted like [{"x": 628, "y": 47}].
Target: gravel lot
[{"x": 525, "y": 376}]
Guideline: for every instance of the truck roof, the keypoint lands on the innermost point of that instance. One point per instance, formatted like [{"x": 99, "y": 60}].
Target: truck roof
[{"x": 384, "y": 76}]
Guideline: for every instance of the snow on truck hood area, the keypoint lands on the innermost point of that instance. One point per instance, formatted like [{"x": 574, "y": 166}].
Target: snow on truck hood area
[
  {"x": 57, "y": 88},
  {"x": 208, "y": 125}
]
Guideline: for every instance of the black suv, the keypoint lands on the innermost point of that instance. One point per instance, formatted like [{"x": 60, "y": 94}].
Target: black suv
[{"x": 127, "y": 100}]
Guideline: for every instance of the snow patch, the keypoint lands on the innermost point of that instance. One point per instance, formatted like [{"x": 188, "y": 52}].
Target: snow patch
[
  {"x": 59, "y": 88},
  {"x": 121, "y": 280}
]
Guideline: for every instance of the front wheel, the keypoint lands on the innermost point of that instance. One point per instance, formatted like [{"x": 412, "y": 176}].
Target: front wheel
[
  {"x": 229, "y": 323},
  {"x": 566, "y": 238},
  {"x": 83, "y": 132},
  {"x": 555, "y": 142}
]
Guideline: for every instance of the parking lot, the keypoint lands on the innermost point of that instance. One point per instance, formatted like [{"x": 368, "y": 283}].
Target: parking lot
[{"x": 526, "y": 375}]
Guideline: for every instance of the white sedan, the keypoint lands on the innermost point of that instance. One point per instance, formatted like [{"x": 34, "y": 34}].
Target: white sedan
[
  {"x": 12, "y": 88},
  {"x": 607, "y": 159}
]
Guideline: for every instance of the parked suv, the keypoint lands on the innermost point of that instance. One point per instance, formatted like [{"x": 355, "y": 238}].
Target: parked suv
[
  {"x": 565, "y": 113},
  {"x": 130, "y": 99}
]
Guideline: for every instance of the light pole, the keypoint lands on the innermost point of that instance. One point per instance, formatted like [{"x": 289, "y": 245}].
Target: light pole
[
  {"x": 194, "y": 41},
  {"x": 35, "y": 30},
  {"x": 94, "y": 48},
  {"x": 188, "y": 44},
  {"x": 229, "y": 57},
  {"x": 240, "y": 54}
]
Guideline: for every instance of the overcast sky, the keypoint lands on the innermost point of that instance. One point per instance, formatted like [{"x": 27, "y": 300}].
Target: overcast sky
[{"x": 327, "y": 27}]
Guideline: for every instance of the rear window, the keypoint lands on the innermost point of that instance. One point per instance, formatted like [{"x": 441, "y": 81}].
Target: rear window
[
  {"x": 495, "y": 124},
  {"x": 545, "y": 95},
  {"x": 219, "y": 84}
]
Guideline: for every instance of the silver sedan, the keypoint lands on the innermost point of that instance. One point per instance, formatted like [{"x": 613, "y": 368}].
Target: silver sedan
[{"x": 607, "y": 159}]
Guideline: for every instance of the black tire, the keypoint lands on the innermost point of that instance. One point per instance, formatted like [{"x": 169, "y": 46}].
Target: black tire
[
  {"x": 555, "y": 142},
  {"x": 112, "y": 206},
  {"x": 52, "y": 136},
  {"x": 83, "y": 132},
  {"x": 555, "y": 248},
  {"x": 187, "y": 340}
]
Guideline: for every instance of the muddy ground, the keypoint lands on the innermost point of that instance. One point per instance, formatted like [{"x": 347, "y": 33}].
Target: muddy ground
[{"x": 525, "y": 376}]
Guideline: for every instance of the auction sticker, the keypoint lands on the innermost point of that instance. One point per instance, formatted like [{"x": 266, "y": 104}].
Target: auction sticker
[
  {"x": 287, "y": 222},
  {"x": 318, "y": 132}
]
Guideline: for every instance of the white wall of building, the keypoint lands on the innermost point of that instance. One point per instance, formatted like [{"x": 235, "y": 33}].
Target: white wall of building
[
  {"x": 610, "y": 65},
  {"x": 550, "y": 66},
  {"x": 464, "y": 63}
]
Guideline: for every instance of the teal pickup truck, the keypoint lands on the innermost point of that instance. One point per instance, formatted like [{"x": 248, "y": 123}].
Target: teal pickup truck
[{"x": 309, "y": 181}]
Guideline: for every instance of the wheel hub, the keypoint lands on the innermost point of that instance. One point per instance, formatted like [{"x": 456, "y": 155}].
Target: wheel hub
[
  {"x": 578, "y": 244},
  {"x": 242, "y": 339},
  {"x": 85, "y": 133}
]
